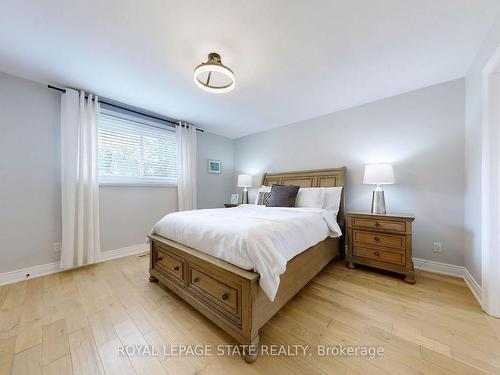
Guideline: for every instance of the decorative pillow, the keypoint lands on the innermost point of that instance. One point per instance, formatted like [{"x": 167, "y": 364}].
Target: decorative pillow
[
  {"x": 263, "y": 198},
  {"x": 283, "y": 196},
  {"x": 262, "y": 189},
  {"x": 310, "y": 197}
]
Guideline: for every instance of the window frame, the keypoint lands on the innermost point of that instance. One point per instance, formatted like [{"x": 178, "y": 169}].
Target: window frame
[{"x": 130, "y": 180}]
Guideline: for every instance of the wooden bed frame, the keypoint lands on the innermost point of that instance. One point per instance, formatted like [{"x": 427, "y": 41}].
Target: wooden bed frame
[{"x": 230, "y": 296}]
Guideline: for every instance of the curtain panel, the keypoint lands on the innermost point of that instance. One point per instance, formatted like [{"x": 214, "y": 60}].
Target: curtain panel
[
  {"x": 80, "y": 189},
  {"x": 186, "y": 167}
]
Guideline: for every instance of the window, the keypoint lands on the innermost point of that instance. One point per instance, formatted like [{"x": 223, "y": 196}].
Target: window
[{"x": 135, "y": 151}]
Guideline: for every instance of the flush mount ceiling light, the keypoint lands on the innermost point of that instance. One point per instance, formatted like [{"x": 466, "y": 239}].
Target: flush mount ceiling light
[{"x": 213, "y": 76}]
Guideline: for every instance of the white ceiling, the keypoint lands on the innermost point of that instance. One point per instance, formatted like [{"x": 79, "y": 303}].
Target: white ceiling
[{"x": 293, "y": 60}]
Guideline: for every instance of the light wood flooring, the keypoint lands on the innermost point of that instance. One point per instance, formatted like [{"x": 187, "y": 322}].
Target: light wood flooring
[{"x": 73, "y": 322}]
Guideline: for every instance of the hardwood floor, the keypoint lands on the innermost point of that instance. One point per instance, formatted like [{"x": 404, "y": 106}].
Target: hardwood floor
[{"x": 74, "y": 322}]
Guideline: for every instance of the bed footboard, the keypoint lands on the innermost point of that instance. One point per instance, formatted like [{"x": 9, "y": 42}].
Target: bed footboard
[{"x": 228, "y": 295}]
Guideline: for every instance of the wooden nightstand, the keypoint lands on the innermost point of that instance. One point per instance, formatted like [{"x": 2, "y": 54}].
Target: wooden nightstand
[
  {"x": 381, "y": 241},
  {"x": 230, "y": 205}
]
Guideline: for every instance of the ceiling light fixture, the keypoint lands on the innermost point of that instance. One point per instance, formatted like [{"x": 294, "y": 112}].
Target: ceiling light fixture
[{"x": 213, "y": 76}]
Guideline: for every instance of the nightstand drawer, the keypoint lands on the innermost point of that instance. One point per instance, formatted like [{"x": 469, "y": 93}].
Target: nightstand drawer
[
  {"x": 378, "y": 239},
  {"x": 394, "y": 226},
  {"x": 379, "y": 254}
]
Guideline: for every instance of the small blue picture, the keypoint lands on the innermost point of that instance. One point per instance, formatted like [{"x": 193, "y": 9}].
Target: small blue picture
[{"x": 214, "y": 166}]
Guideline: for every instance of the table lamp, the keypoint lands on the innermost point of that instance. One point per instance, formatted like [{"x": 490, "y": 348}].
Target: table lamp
[
  {"x": 245, "y": 181},
  {"x": 378, "y": 174}
]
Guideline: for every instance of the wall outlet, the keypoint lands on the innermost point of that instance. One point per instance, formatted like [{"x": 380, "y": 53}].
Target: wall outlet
[
  {"x": 56, "y": 247},
  {"x": 437, "y": 247}
]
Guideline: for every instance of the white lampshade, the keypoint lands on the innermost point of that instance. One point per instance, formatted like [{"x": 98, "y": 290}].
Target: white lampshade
[
  {"x": 245, "y": 180},
  {"x": 377, "y": 174}
]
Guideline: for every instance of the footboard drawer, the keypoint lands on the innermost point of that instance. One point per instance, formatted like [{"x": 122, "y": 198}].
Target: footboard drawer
[
  {"x": 169, "y": 264},
  {"x": 216, "y": 291}
]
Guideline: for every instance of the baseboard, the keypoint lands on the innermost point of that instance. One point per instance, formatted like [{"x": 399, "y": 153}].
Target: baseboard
[
  {"x": 473, "y": 285},
  {"x": 124, "y": 252},
  {"x": 50, "y": 268},
  {"x": 438, "y": 267},
  {"x": 450, "y": 270},
  {"x": 29, "y": 273}
]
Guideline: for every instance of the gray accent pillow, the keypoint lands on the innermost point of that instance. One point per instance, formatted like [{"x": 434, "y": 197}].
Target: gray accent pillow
[{"x": 283, "y": 196}]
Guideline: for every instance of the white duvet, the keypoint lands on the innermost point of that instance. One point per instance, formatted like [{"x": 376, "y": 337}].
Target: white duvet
[{"x": 252, "y": 237}]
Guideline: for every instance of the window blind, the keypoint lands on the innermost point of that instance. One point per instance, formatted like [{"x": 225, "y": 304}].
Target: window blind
[{"x": 133, "y": 150}]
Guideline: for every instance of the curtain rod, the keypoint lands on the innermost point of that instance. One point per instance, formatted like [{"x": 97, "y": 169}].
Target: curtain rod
[{"x": 126, "y": 109}]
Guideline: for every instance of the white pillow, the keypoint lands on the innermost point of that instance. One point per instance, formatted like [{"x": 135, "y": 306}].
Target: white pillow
[
  {"x": 331, "y": 198},
  {"x": 264, "y": 189},
  {"x": 309, "y": 197}
]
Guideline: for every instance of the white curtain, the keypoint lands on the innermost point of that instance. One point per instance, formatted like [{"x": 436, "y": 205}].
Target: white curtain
[
  {"x": 80, "y": 190},
  {"x": 186, "y": 166}
]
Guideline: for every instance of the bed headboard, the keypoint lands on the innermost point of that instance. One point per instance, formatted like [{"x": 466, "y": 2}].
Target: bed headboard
[{"x": 315, "y": 178}]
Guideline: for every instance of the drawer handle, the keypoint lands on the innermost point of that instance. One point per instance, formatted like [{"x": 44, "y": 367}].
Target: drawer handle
[
  {"x": 225, "y": 296},
  {"x": 176, "y": 268},
  {"x": 196, "y": 279},
  {"x": 377, "y": 224},
  {"x": 376, "y": 239},
  {"x": 160, "y": 259},
  {"x": 377, "y": 253}
]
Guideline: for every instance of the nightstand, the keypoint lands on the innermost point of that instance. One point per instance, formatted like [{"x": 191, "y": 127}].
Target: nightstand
[
  {"x": 381, "y": 241},
  {"x": 230, "y": 205}
]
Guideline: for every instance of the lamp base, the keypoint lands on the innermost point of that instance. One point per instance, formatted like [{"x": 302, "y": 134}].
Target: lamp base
[
  {"x": 245, "y": 196},
  {"x": 378, "y": 202}
]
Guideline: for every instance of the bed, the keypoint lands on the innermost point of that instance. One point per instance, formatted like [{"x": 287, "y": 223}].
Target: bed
[{"x": 230, "y": 296}]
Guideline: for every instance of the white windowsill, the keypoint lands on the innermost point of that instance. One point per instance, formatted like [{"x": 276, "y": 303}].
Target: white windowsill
[{"x": 107, "y": 181}]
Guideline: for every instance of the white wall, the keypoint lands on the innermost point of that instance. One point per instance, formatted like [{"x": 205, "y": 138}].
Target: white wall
[
  {"x": 473, "y": 153},
  {"x": 214, "y": 189},
  {"x": 127, "y": 213},
  {"x": 421, "y": 132},
  {"x": 30, "y": 195},
  {"x": 30, "y": 208}
]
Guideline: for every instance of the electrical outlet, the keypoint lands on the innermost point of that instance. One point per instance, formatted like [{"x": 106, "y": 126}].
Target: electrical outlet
[
  {"x": 56, "y": 247},
  {"x": 437, "y": 247}
]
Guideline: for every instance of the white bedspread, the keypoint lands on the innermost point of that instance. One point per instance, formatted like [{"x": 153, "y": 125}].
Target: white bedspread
[{"x": 252, "y": 237}]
